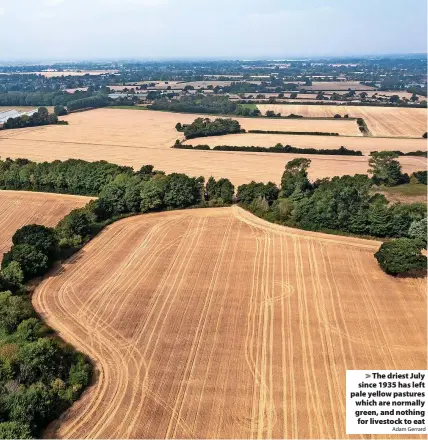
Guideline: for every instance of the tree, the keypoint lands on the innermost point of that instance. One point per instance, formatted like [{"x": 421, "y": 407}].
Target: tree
[
  {"x": 37, "y": 361},
  {"x": 182, "y": 191},
  {"x": 401, "y": 256},
  {"x": 30, "y": 329},
  {"x": 76, "y": 224},
  {"x": 152, "y": 194},
  {"x": 13, "y": 274},
  {"x": 41, "y": 237},
  {"x": 295, "y": 177},
  {"x": 111, "y": 201},
  {"x": 15, "y": 430},
  {"x": 385, "y": 168},
  {"x": 220, "y": 191},
  {"x": 32, "y": 406},
  {"x": 418, "y": 230},
  {"x": 32, "y": 261},
  {"x": 379, "y": 219},
  {"x": 13, "y": 310},
  {"x": 60, "y": 110}
]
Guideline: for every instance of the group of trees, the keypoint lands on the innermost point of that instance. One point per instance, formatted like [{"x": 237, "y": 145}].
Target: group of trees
[
  {"x": 40, "y": 117},
  {"x": 203, "y": 127},
  {"x": 341, "y": 204}
]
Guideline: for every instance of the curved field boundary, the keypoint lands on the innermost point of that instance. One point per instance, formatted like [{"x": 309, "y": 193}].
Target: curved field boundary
[
  {"x": 212, "y": 323},
  {"x": 20, "y": 208}
]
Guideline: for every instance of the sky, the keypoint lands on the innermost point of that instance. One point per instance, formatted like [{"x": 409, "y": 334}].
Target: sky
[{"x": 183, "y": 29}]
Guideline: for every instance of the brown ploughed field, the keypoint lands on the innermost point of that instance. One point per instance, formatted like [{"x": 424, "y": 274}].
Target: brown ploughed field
[
  {"x": 211, "y": 323},
  {"x": 382, "y": 121},
  {"x": 20, "y": 208},
  {"x": 138, "y": 137}
]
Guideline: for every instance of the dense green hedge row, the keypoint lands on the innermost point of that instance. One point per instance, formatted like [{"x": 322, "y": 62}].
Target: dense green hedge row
[
  {"x": 314, "y": 133},
  {"x": 419, "y": 153},
  {"x": 68, "y": 177},
  {"x": 278, "y": 148}
]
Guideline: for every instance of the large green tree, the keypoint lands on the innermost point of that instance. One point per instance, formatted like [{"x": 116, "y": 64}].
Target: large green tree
[{"x": 401, "y": 256}]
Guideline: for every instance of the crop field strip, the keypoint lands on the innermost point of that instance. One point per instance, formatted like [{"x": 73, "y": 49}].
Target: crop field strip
[
  {"x": 215, "y": 324},
  {"x": 20, "y": 208},
  {"x": 144, "y": 137},
  {"x": 382, "y": 121}
]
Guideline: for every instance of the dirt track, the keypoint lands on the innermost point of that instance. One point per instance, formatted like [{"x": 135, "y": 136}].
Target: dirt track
[
  {"x": 19, "y": 208},
  {"x": 215, "y": 324}
]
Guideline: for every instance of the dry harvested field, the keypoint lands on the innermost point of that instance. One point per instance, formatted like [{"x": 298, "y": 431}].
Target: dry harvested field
[
  {"x": 74, "y": 73},
  {"x": 19, "y": 108},
  {"x": 135, "y": 138},
  {"x": 215, "y": 324},
  {"x": 20, "y": 208},
  {"x": 382, "y": 121},
  {"x": 362, "y": 143},
  {"x": 337, "y": 85}
]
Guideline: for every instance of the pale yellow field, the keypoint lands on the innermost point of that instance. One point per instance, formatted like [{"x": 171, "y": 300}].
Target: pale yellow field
[
  {"x": 362, "y": 143},
  {"x": 138, "y": 137},
  {"x": 382, "y": 121},
  {"x": 337, "y": 85},
  {"x": 154, "y": 129},
  {"x": 75, "y": 73},
  {"x": 19, "y": 108},
  {"x": 212, "y": 323},
  {"x": 20, "y": 208}
]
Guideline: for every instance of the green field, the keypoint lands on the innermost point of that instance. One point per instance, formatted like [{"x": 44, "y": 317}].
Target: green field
[{"x": 409, "y": 189}]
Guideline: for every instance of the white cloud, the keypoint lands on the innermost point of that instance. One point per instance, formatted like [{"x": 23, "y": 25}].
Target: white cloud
[{"x": 2, "y": 11}]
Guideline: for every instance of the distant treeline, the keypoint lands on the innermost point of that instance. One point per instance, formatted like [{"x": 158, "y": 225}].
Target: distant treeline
[
  {"x": 314, "y": 133},
  {"x": 203, "y": 104},
  {"x": 278, "y": 148},
  {"x": 42, "y": 99},
  {"x": 90, "y": 102}
]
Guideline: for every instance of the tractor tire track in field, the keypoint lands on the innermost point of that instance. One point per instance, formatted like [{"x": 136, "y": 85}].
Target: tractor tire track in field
[{"x": 211, "y": 323}]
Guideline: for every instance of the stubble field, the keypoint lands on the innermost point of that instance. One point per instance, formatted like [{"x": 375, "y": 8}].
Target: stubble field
[
  {"x": 215, "y": 324},
  {"x": 382, "y": 121},
  {"x": 135, "y": 138},
  {"x": 20, "y": 208}
]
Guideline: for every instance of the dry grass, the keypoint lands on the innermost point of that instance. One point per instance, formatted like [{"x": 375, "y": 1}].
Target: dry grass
[
  {"x": 20, "y": 208},
  {"x": 135, "y": 138},
  {"x": 382, "y": 121},
  {"x": 215, "y": 324}
]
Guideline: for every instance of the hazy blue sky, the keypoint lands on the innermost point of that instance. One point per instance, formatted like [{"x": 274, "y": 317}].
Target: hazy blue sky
[{"x": 82, "y": 29}]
